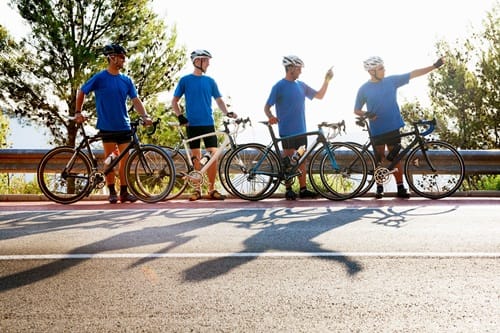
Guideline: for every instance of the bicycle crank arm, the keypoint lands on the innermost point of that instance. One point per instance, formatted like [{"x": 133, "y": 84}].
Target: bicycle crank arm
[{"x": 382, "y": 175}]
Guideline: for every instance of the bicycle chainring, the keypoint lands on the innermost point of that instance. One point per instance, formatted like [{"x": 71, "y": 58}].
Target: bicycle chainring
[
  {"x": 382, "y": 175},
  {"x": 98, "y": 180},
  {"x": 195, "y": 178}
]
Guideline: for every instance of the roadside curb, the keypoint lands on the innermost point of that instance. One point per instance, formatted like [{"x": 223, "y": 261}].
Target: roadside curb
[{"x": 104, "y": 197}]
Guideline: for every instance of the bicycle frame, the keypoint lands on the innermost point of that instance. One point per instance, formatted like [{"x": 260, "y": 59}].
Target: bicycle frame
[
  {"x": 225, "y": 143},
  {"x": 294, "y": 170},
  {"x": 418, "y": 140},
  {"x": 86, "y": 142},
  {"x": 228, "y": 141}
]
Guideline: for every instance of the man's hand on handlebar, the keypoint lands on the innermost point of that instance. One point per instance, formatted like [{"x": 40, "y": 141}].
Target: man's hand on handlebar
[
  {"x": 370, "y": 115},
  {"x": 182, "y": 120},
  {"x": 273, "y": 120}
]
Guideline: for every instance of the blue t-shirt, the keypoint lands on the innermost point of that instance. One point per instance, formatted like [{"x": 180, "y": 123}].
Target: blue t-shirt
[
  {"x": 111, "y": 92},
  {"x": 289, "y": 98},
  {"x": 381, "y": 99},
  {"x": 198, "y": 91}
]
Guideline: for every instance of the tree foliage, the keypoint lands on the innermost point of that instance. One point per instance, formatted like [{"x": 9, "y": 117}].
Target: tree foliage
[
  {"x": 465, "y": 93},
  {"x": 40, "y": 75},
  {"x": 4, "y": 131}
]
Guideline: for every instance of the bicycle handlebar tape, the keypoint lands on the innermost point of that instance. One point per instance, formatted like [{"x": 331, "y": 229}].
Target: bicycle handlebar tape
[
  {"x": 182, "y": 120},
  {"x": 438, "y": 63}
]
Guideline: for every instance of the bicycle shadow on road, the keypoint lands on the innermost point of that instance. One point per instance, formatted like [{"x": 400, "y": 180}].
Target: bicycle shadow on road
[
  {"x": 271, "y": 234},
  {"x": 296, "y": 236}
]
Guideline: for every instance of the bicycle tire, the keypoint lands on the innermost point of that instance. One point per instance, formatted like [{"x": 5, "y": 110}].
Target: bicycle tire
[
  {"x": 223, "y": 162},
  {"x": 244, "y": 180},
  {"x": 181, "y": 169},
  {"x": 64, "y": 176},
  {"x": 150, "y": 173},
  {"x": 343, "y": 181},
  {"x": 371, "y": 165},
  {"x": 440, "y": 183},
  {"x": 221, "y": 170}
]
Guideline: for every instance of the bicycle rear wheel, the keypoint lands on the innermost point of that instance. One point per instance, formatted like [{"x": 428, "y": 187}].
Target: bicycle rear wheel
[
  {"x": 181, "y": 170},
  {"x": 341, "y": 178},
  {"x": 436, "y": 171},
  {"x": 150, "y": 173},
  {"x": 64, "y": 176},
  {"x": 252, "y": 172}
]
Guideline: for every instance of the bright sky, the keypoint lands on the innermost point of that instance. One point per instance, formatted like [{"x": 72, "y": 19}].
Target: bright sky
[{"x": 248, "y": 40}]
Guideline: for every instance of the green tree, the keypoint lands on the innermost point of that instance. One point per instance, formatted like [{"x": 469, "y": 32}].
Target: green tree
[
  {"x": 466, "y": 93},
  {"x": 40, "y": 75}
]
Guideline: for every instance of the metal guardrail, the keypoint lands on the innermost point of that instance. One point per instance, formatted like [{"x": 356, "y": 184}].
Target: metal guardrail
[{"x": 485, "y": 162}]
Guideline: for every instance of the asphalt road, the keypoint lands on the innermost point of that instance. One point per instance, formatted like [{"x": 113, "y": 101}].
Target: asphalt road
[{"x": 236, "y": 266}]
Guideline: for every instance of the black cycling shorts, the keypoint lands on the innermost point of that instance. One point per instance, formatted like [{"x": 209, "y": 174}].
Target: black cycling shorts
[
  {"x": 390, "y": 138},
  {"x": 116, "y": 137},
  {"x": 294, "y": 143},
  {"x": 209, "y": 141}
]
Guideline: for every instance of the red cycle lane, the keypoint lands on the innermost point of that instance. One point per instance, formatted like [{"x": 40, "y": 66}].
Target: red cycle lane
[{"x": 44, "y": 205}]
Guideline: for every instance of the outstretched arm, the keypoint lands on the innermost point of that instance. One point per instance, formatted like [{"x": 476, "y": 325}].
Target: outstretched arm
[{"x": 422, "y": 71}]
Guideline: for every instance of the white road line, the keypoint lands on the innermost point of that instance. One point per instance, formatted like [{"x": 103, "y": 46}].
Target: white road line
[{"x": 251, "y": 254}]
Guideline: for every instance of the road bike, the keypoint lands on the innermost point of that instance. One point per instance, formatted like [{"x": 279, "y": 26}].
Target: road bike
[
  {"x": 336, "y": 170},
  {"x": 186, "y": 175},
  {"x": 433, "y": 169},
  {"x": 67, "y": 174}
]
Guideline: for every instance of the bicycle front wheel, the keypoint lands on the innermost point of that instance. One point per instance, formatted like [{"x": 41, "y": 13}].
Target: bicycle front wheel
[
  {"x": 222, "y": 167},
  {"x": 338, "y": 173},
  {"x": 435, "y": 170},
  {"x": 371, "y": 165},
  {"x": 223, "y": 163},
  {"x": 252, "y": 172},
  {"x": 181, "y": 170},
  {"x": 150, "y": 173},
  {"x": 63, "y": 175}
]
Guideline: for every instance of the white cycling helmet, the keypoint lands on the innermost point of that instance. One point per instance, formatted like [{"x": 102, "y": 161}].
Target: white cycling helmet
[
  {"x": 372, "y": 63},
  {"x": 200, "y": 54},
  {"x": 292, "y": 60}
]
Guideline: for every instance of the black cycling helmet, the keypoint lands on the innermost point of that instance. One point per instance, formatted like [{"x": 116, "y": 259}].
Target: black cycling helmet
[{"x": 114, "y": 49}]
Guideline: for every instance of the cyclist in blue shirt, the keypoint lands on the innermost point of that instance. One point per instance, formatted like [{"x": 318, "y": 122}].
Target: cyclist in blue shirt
[
  {"x": 198, "y": 90},
  {"x": 288, "y": 97},
  {"x": 379, "y": 95},
  {"x": 112, "y": 89}
]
